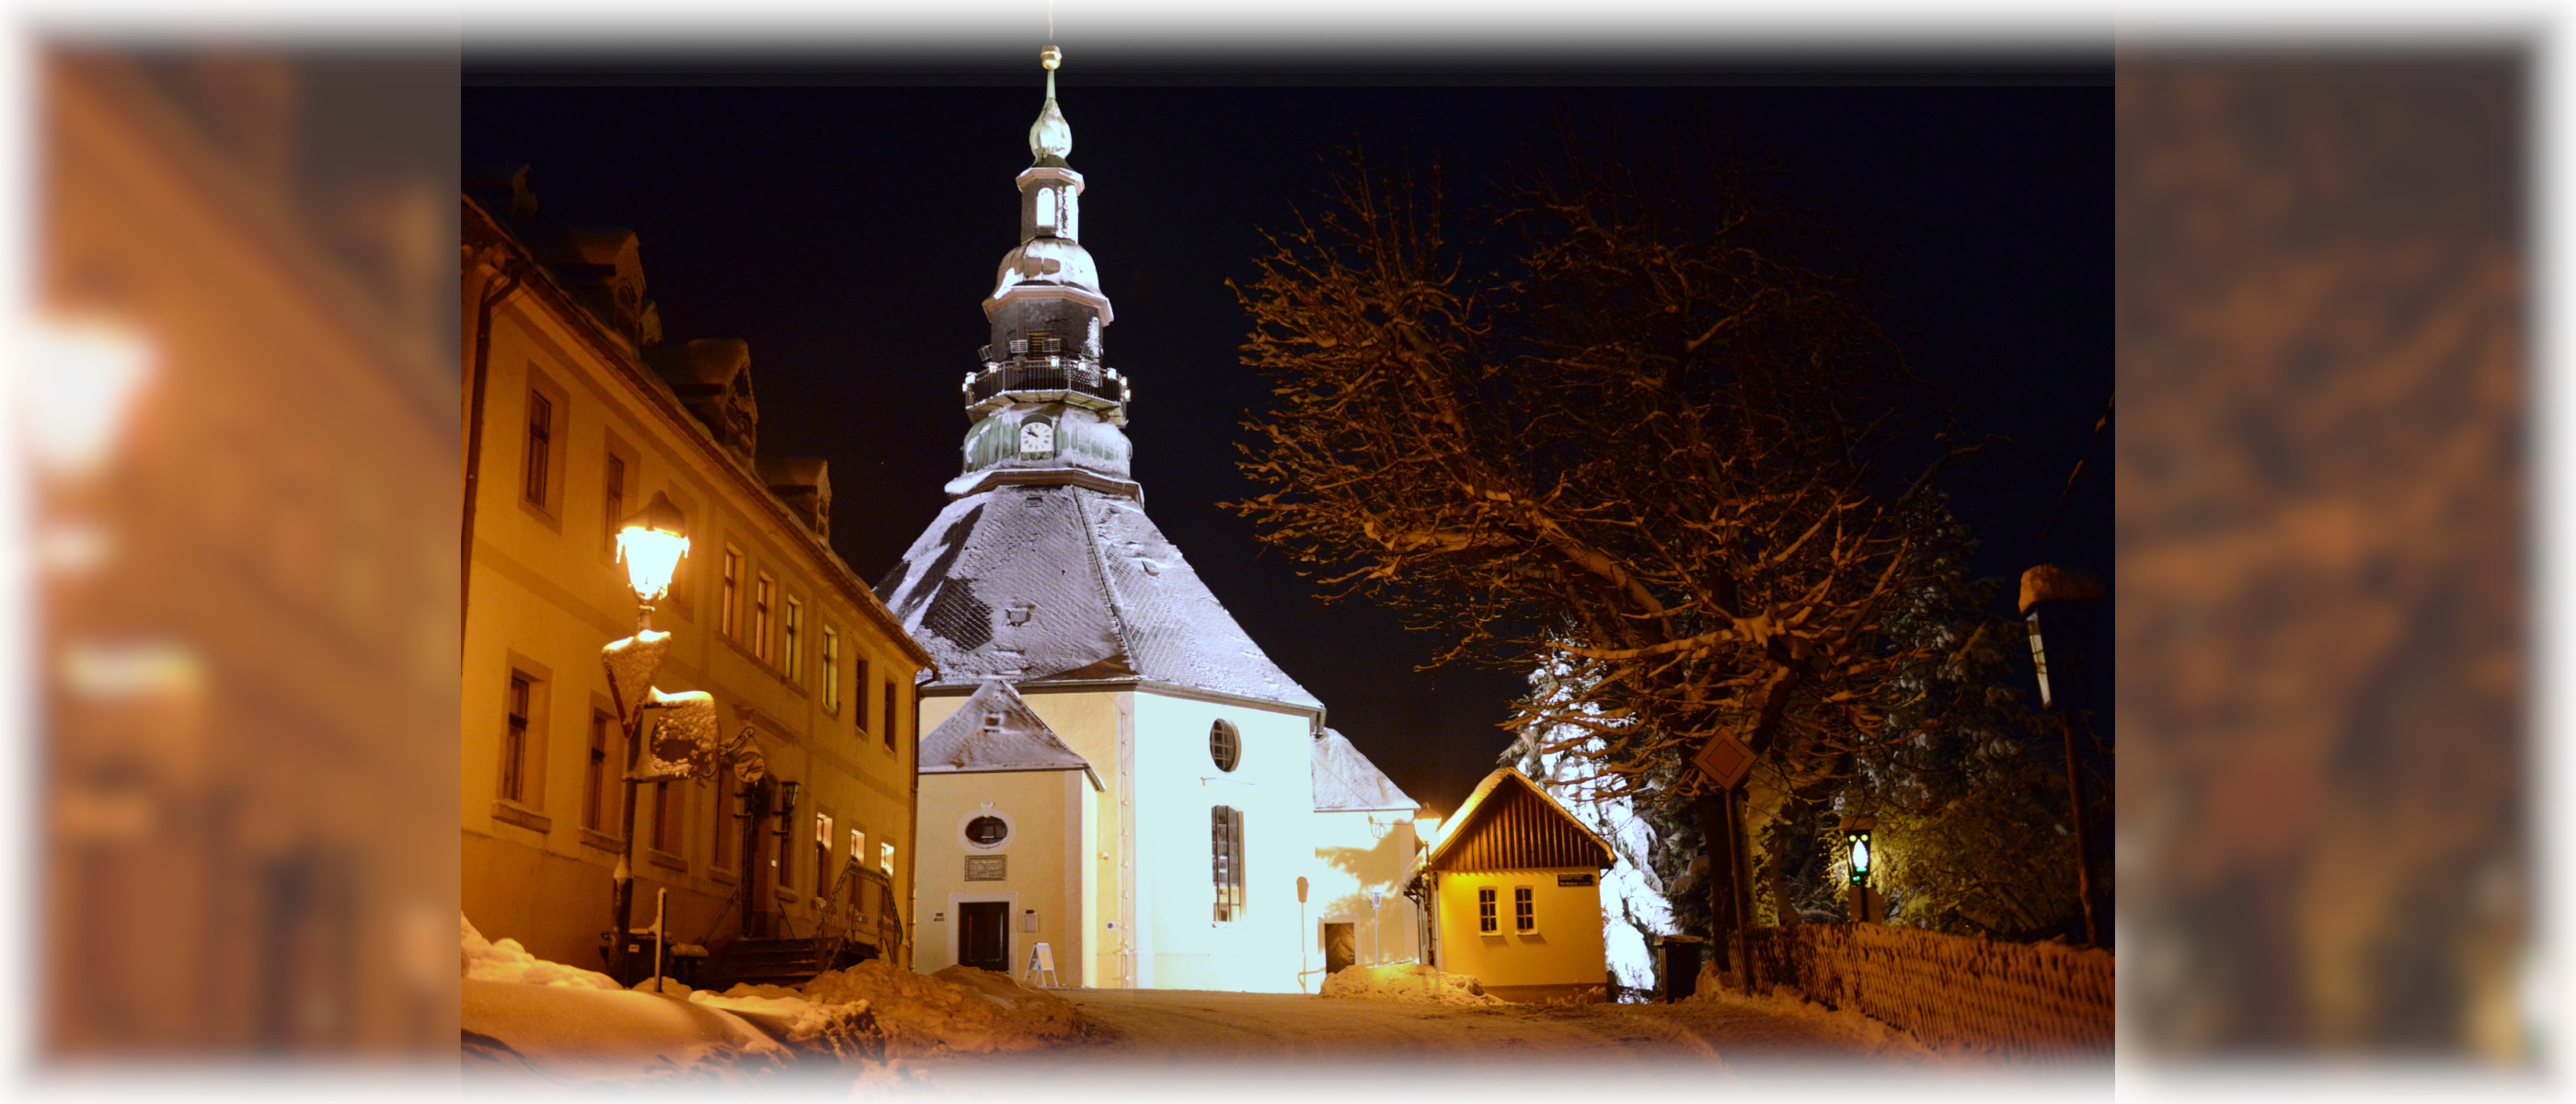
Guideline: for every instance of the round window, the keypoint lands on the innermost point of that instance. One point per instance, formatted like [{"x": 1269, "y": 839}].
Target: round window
[
  {"x": 1224, "y": 746},
  {"x": 986, "y": 831}
]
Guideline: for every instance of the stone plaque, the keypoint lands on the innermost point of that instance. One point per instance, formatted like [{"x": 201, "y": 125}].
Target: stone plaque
[{"x": 987, "y": 868}]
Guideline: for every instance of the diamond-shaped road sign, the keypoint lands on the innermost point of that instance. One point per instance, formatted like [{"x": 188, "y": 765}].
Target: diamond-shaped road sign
[{"x": 1726, "y": 760}]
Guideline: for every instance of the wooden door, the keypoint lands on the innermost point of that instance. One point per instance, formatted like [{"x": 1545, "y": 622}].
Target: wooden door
[
  {"x": 984, "y": 935},
  {"x": 1340, "y": 948}
]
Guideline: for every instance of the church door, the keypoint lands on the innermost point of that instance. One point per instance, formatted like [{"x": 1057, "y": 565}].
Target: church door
[
  {"x": 1339, "y": 948},
  {"x": 984, "y": 935}
]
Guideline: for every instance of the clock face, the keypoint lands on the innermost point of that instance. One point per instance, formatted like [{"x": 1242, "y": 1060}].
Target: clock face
[{"x": 1036, "y": 439}]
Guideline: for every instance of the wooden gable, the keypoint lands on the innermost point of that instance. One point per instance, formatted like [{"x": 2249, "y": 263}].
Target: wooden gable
[{"x": 1511, "y": 825}]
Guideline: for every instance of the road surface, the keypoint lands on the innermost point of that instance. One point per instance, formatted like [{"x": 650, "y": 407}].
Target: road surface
[{"x": 1290, "y": 1041}]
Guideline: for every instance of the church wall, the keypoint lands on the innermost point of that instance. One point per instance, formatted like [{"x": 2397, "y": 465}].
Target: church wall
[
  {"x": 1176, "y": 786},
  {"x": 1355, "y": 852},
  {"x": 1046, "y": 880}
]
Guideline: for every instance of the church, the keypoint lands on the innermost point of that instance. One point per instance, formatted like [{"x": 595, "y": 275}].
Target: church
[{"x": 1110, "y": 768}]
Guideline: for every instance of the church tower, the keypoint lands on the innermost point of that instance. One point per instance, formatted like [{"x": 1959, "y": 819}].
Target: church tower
[{"x": 1152, "y": 812}]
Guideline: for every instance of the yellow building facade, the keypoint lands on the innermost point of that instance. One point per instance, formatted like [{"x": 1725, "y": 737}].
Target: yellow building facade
[
  {"x": 1515, "y": 890},
  {"x": 576, "y": 417}
]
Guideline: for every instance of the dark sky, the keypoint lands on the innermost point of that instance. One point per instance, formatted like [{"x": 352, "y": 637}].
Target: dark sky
[{"x": 847, "y": 224}]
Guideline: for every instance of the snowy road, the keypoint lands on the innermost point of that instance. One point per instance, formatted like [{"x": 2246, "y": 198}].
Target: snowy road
[{"x": 1289, "y": 1039}]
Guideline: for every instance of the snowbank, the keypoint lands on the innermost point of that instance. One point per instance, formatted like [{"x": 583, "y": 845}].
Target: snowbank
[
  {"x": 484, "y": 960},
  {"x": 1406, "y": 981},
  {"x": 959, "y": 1010}
]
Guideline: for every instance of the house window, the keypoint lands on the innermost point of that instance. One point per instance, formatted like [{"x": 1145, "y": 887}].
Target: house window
[
  {"x": 831, "y": 670},
  {"x": 889, "y": 716},
  {"x": 858, "y": 846},
  {"x": 594, "y": 777},
  {"x": 859, "y": 682},
  {"x": 987, "y": 831},
  {"x": 514, "y": 745},
  {"x": 1485, "y": 919},
  {"x": 541, "y": 445},
  {"x": 792, "y": 653},
  {"x": 885, "y": 859},
  {"x": 822, "y": 854},
  {"x": 1225, "y": 745},
  {"x": 1225, "y": 825},
  {"x": 1524, "y": 910},
  {"x": 613, "y": 501},
  {"x": 733, "y": 594},
  {"x": 764, "y": 595}
]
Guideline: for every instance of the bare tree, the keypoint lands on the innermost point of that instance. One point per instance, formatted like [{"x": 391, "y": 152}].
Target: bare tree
[{"x": 1652, "y": 442}]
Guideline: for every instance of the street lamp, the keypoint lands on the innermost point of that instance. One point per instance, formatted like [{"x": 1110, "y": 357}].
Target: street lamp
[
  {"x": 650, "y": 543},
  {"x": 1864, "y": 902},
  {"x": 2059, "y": 606}
]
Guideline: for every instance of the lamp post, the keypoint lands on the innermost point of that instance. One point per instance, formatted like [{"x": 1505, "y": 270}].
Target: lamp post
[
  {"x": 1864, "y": 901},
  {"x": 650, "y": 543},
  {"x": 2063, "y": 602}
]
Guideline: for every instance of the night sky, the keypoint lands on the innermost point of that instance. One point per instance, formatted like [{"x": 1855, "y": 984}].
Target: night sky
[{"x": 846, "y": 222}]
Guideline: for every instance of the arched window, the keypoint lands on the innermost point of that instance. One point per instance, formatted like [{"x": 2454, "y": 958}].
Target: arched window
[
  {"x": 1225, "y": 745},
  {"x": 1046, "y": 209}
]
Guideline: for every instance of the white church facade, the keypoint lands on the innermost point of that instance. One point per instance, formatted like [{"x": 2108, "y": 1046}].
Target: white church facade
[{"x": 1110, "y": 766}]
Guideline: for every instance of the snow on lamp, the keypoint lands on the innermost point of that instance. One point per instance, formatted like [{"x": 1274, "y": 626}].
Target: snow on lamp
[{"x": 651, "y": 543}]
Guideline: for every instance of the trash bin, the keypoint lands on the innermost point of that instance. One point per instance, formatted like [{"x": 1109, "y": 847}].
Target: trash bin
[{"x": 1678, "y": 960}]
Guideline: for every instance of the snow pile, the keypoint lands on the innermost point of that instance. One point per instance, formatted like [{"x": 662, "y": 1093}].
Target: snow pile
[
  {"x": 520, "y": 1014},
  {"x": 836, "y": 1030},
  {"x": 959, "y": 1010},
  {"x": 1406, "y": 981},
  {"x": 484, "y": 960}
]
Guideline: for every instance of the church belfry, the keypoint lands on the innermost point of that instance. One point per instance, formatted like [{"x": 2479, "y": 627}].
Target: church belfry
[{"x": 1043, "y": 400}]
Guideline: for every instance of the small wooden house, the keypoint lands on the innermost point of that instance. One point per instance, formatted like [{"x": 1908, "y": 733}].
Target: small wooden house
[{"x": 1514, "y": 883}]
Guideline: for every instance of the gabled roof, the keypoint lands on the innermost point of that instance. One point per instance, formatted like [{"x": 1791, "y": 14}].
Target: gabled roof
[
  {"x": 1509, "y": 823},
  {"x": 1062, "y": 583},
  {"x": 996, "y": 731},
  {"x": 1345, "y": 780}
]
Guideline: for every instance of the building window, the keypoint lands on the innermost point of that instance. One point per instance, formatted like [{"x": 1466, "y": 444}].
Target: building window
[
  {"x": 822, "y": 854},
  {"x": 858, "y": 846},
  {"x": 1225, "y": 825},
  {"x": 987, "y": 831},
  {"x": 1524, "y": 910},
  {"x": 732, "y": 594},
  {"x": 613, "y": 500},
  {"x": 541, "y": 446},
  {"x": 792, "y": 652},
  {"x": 764, "y": 594},
  {"x": 1046, "y": 209},
  {"x": 885, "y": 859},
  {"x": 514, "y": 745},
  {"x": 859, "y": 684},
  {"x": 594, "y": 777},
  {"x": 831, "y": 670},
  {"x": 1225, "y": 745},
  {"x": 666, "y": 817},
  {"x": 889, "y": 716},
  {"x": 1485, "y": 918},
  {"x": 725, "y": 827}
]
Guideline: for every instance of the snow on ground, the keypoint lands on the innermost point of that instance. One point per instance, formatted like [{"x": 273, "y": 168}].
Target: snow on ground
[
  {"x": 1406, "y": 981},
  {"x": 523, "y": 1015}
]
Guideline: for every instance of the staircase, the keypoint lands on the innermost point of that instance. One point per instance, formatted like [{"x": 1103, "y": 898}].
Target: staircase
[{"x": 789, "y": 962}]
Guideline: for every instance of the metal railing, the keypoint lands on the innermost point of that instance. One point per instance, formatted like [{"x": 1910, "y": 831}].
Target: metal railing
[{"x": 1047, "y": 373}]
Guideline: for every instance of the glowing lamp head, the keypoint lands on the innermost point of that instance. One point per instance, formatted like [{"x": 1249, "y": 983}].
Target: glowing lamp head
[
  {"x": 1860, "y": 856},
  {"x": 651, "y": 544}
]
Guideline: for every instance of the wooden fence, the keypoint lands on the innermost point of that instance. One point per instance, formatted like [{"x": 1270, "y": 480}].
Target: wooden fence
[{"x": 2035, "y": 1000}]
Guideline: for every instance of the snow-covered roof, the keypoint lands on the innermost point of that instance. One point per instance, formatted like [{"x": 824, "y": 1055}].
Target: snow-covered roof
[
  {"x": 1064, "y": 583},
  {"x": 1345, "y": 780},
  {"x": 997, "y": 731}
]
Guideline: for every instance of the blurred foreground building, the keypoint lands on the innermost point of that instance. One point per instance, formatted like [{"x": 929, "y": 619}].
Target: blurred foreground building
[
  {"x": 577, "y": 415},
  {"x": 237, "y": 409}
]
